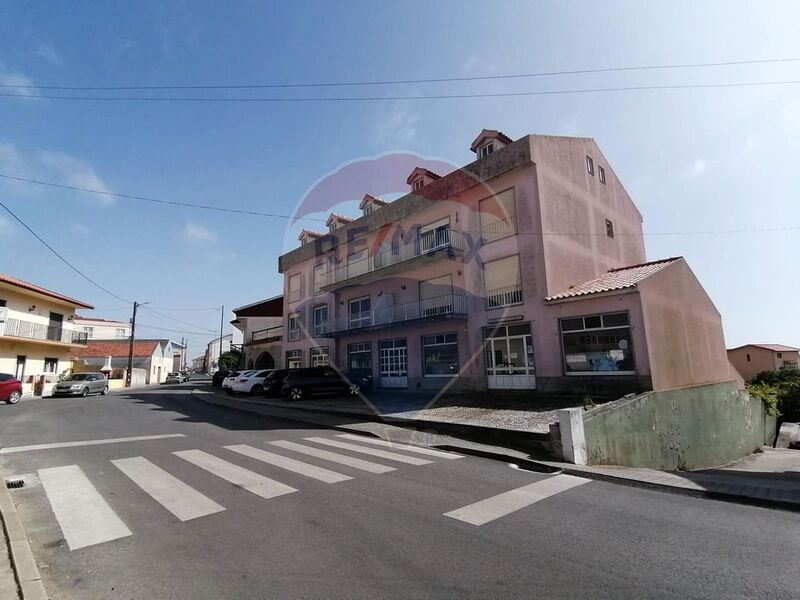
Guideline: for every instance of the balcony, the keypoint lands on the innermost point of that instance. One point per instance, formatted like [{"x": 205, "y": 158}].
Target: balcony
[
  {"x": 505, "y": 296},
  {"x": 39, "y": 332},
  {"x": 441, "y": 307},
  {"x": 441, "y": 242},
  {"x": 499, "y": 229},
  {"x": 270, "y": 334}
]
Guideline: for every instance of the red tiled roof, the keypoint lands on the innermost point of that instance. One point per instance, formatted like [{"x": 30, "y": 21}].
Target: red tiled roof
[
  {"x": 616, "y": 279},
  {"x": 493, "y": 133},
  {"x": 40, "y": 290},
  {"x": 309, "y": 233},
  {"x": 370, "y": 198},
  {"x": 98, "y": 319},
  {"x": 773, "y": 347},
  {"x": 141, "y": 349},
  {"x": 421, "y": 171},
  {"x": 338, "y": 217}
]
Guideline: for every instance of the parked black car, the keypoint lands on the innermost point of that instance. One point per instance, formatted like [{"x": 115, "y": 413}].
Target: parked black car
[
  {"x": 302, "y": 383},
  {"x": 216, "y": 378},
  {"x": 273, "y": 384}
]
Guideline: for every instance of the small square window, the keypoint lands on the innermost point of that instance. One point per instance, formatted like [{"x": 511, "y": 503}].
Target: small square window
[
  {"x": 418, "y": 184},
  {"x": 780, "y": 355},
  {"x": 487, "y": 150},
  {"x": 590, "y": 165},
  {"x": 609, "y": 229},
  {"x": 601, "y": 174}
]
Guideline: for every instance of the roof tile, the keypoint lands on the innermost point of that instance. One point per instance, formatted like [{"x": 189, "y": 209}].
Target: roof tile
[{"x": 615, "y": 279}]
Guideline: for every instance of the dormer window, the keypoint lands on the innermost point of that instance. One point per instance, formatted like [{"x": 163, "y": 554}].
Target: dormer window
[
  {"x": 489, "y": 141},
  {"x": 418, "y": 184},
  {"x": 370, "y": 204},
  {"x": 335, "y": 222},
  {"x": 420, "y": 177}
]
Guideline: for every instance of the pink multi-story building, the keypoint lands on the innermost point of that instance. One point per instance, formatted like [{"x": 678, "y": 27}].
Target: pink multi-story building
[{"x": 524, "y": 269}]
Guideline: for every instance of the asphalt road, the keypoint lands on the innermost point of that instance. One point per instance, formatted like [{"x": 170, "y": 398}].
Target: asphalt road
[{"x": 190, "y": 518}]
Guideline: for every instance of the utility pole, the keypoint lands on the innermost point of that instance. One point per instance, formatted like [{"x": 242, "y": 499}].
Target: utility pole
[
  {"x": 221, "y": 323},
  {"x": 129, "y": 371}
]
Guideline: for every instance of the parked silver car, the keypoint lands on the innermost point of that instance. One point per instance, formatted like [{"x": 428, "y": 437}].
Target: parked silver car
[{"x": 82, "y": 384}]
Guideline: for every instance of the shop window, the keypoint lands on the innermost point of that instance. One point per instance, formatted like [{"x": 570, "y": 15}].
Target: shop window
[
  {"x": 598, "y": 344},
  {"x": 440, "y": 355}
]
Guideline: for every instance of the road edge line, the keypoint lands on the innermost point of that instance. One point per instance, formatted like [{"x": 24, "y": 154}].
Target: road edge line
[{"x": 29, "y": 580}]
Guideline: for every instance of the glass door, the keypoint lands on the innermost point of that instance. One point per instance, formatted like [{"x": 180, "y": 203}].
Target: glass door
[{"x": 509, "y": 357}]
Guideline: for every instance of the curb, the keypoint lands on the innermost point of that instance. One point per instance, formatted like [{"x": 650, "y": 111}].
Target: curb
[
  {"x": 530, "y": 464},
  {"x": 26, "y": 572}
]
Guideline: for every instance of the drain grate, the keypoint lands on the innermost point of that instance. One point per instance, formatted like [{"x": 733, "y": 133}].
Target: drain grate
[{"x": 14, "y": 484}]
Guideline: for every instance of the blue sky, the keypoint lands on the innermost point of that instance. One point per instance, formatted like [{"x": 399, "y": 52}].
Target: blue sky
[{"x": 693, "y": 160}]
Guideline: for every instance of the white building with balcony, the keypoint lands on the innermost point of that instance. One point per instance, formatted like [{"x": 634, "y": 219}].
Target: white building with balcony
[{"x": 37, "y": 332}]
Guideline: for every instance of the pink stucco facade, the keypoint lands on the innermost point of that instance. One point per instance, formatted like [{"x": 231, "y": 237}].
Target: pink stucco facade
[{"x": 429, "y": 285}]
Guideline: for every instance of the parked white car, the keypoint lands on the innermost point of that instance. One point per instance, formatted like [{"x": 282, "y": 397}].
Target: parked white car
[
  {"x": 227, "y": 383},
  {"x": 251, "y": 382}
]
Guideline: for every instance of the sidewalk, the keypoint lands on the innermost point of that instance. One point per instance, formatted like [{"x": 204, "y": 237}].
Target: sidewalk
[{"x": 770, "y": 478}]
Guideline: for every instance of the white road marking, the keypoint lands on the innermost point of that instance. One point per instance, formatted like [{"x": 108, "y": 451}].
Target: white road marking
[
  {"x": 373, "y": 451},
  {"x": 84, "y": 517},
  {"x": 250, "y": 481},
  {"x": 181, "y": 500},
  {"x": 138, "y": 438},
  {"x": 290, "y": 464},
  {"x": 341, "y": 459},
  {"x": 406, "y": 447},
  {"x": 506, "y": 503}
]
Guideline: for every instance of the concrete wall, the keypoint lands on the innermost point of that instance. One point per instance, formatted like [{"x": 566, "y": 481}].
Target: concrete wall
[
  {"x": 689, "y": 428},
  {"x": 685, "y": 340}
]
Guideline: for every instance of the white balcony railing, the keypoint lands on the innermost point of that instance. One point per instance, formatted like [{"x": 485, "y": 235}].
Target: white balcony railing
[
  {"x": 499, "y": 229},
  {"x": 424, "y": 244},
  {"x": 39, "y": 331},
  {"x": 271, "y": 333},
  {"x": 505, "y": 296},
  {"x": 448, "y": 304}
]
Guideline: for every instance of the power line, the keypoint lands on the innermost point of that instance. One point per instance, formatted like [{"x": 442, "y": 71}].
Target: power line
[
  {"x": 477, "y": 232},
  {"x": 250, "y": 86},
  {"x": 156, "y": 200},
  {"x": 396, "y": 98},
  {"x": 196, "y": 327},
  {"x": 61, "y": 258}
]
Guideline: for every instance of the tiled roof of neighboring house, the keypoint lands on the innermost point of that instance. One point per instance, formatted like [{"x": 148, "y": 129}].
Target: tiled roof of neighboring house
[
  {"x": 98, "y": 319},
  {"x": 40, "y": 290},
  {"x": 773, "y": 347},
  {"x": 494, "y": 133},
  {"x": 613, "y": 280},
  {"x": 141, "y": 348}
]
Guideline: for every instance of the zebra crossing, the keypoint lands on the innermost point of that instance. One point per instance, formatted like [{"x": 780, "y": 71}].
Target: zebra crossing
[{"x": 86, "y": 518}]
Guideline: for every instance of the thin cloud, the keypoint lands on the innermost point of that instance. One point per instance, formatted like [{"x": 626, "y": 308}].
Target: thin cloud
[
  {"x": 6, "y": 226},
  {"x": 198, "y": 235},
  {"x": 700, "y": 166},
  {"x": 398, "y": 126},
  {"x": 13, "y": 79},
  {"x": 47, "y": 53},
  {"x": 49, "y": 165},
  {"x": 79, "y": 229}
]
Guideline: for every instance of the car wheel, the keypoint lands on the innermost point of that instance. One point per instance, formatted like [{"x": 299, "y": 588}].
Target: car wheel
[
  {"x": 85, "y": 392},
  {"x": 257, "y": 389},
  {"x": 297, "y": 393},
  {"x": 14, "y": 397},
  {"x": 105, "y": 391},
  {"x": 355, "y": 389}
]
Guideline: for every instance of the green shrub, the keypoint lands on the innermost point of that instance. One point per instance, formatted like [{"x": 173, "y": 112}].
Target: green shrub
[
  {"x": 777, "y": 377},
  {"x": 768, "y": 394},
  {"x": 789, "y": 401}
]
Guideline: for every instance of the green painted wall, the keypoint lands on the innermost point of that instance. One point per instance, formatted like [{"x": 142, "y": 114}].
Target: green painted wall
[{"x": 683, "y": 429}]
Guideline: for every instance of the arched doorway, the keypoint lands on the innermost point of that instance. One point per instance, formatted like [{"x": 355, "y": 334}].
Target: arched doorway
[{"x": 265, "y": 361}]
